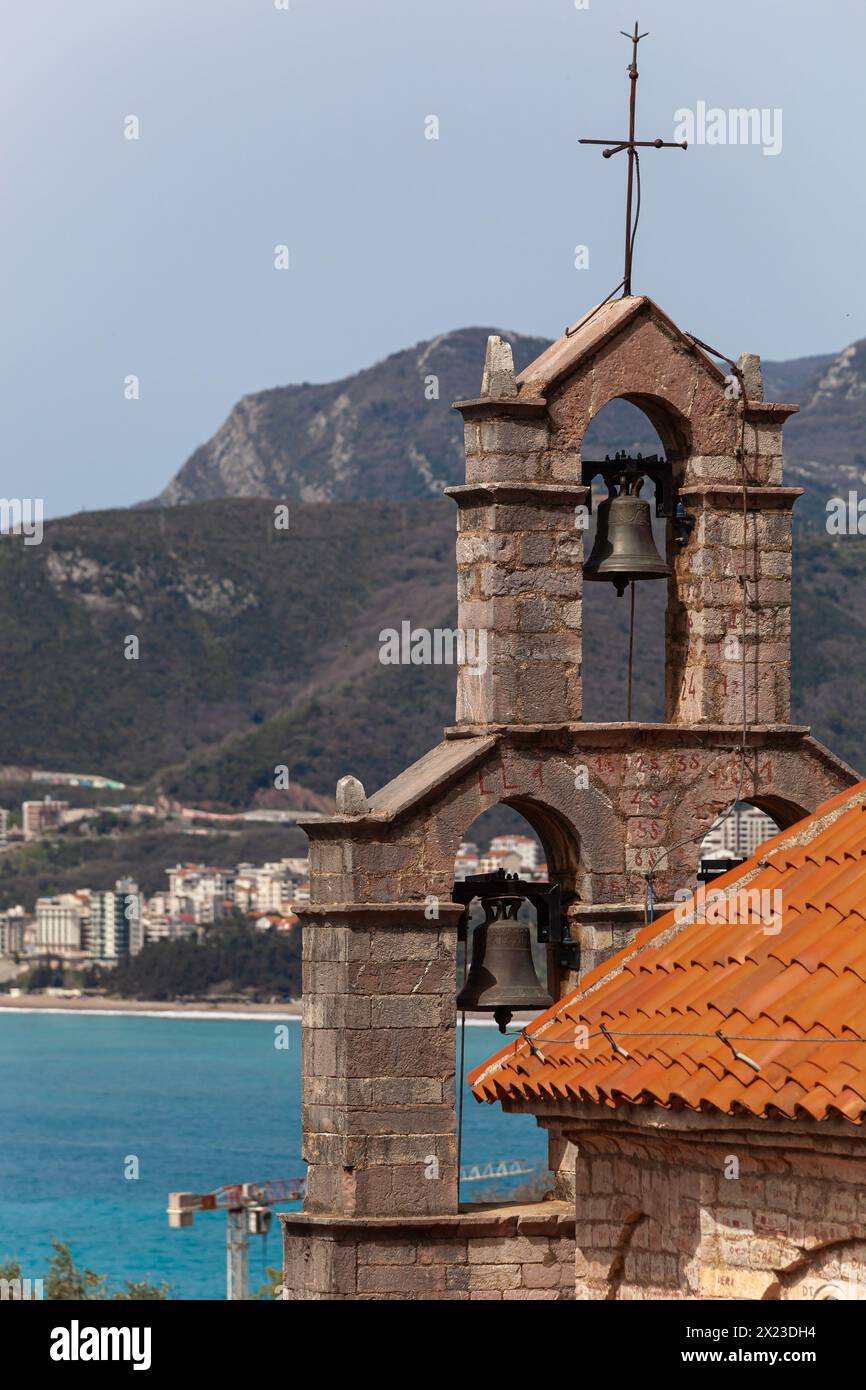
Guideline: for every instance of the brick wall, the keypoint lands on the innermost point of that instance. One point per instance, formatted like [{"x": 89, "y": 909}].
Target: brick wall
[
  {"x": 509, "y": 1253},
  {"x": 710, "y": 1216}
]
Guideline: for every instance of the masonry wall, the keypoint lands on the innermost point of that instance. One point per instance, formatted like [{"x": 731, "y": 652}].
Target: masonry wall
[
  {"x": 658, "y": 1217},
  {"x": 713, "y": 620},
  {"x": 378, "y": 1047},
  {"x": 503, "y": 1254}
]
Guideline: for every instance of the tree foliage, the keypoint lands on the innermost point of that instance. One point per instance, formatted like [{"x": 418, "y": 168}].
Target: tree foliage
[{"x": 233, "y": 958}]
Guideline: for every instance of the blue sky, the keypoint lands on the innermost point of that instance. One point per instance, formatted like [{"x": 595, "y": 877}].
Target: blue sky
[{"x": 305, "y": 127}]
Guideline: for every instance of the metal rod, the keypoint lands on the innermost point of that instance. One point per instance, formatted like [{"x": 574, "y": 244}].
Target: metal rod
[
  {"x": 633, "y": 74},
  {"x": 616, "y": 146},
  {"x": 649, "y": 144}
]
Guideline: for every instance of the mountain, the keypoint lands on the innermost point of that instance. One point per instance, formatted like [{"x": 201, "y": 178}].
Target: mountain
[
  {"x": 259, "y": 649},
  {"x": 389, "y": 431},
  {"x": 826, "y": 441},
  {"x": 244, "y": 632}
]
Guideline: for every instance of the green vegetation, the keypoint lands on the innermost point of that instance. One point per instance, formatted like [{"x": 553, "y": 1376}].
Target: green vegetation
[
  {"x": 234, "y": 958},
  {"x": 66, "y": 1282},
  {"x": 257, "y": 653}
]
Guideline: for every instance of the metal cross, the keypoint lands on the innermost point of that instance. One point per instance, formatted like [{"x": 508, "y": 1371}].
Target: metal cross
[{"x": 632, "y": 145}]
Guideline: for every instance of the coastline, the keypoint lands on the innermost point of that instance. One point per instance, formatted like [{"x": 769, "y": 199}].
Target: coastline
[
  {"x": 199, "y": 1009},
  {"x": 203, "y": 1008}
]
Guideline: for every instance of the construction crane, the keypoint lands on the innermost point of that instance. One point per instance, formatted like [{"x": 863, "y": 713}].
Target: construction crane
[
  {"x": 247, "y": 1206},
  {"x": 248, "y": 1211}
]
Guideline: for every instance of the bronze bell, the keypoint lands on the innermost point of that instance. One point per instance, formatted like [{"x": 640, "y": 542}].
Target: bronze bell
[
  {"x": 502, "y": 976},
  {"x": 624, "y": 547}
]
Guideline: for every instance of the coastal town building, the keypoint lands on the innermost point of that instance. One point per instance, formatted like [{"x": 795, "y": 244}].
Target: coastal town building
[
  {"x": 271, "y": 887},
  {"x": 620, "y": 809},
  {"x": 13, "y": 926},
  {"x": 524, "y": 848},
  {"x": 39, "y": 816},
  {"x": 739, "y": 834},
  {"x": 106, "y": 927},
  {"x": 62, "y": 924},
  {"x": 200, "y": 891},
  {"x": 115, "y": 929}
]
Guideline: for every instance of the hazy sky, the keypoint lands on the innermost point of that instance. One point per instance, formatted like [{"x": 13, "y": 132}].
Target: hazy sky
[{"x": 260, "y": 126}]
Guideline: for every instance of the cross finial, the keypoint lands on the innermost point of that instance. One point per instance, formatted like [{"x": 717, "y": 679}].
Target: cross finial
[{"x": 632, "y": 145}]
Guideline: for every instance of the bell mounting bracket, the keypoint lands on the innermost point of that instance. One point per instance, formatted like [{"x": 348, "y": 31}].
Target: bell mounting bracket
[
  {"x": 630, "y": 469},
  {"x": 623, "y": 465},
  {"x": 544, "y": 897}
]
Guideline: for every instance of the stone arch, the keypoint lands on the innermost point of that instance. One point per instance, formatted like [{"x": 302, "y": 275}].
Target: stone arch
[
  {"x": 704, "y": 802},
  {"x": 784, "y": 811},
  {"x": 632, "y": 350},
  {"x": 580, "y": 830},
  {"x": 605, "y": 616},
  {"x": 670, "y": 424}
]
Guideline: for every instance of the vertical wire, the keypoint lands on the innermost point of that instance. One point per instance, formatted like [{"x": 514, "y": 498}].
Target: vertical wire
[
  {"x": 630, "y": 647},
  {"x": 462, "y": 1064}
]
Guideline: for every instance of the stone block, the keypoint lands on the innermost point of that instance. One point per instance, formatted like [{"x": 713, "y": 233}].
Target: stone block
[
  {"x": 508, "y": 1249},
  {"x": 527, "y": 437},
  {"x": 418, "y": 1281},
  {"x": 542, "y": 1276},
  {"x": 493, "y": 1276},
  {"x": 407, "y": 1011}
]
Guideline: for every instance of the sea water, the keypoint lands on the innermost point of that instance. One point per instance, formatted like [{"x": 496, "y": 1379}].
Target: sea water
[{"x": 189, "y": 1104}]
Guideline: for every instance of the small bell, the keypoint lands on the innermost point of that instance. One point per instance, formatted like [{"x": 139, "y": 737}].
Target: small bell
[
  {"x": 624, "y": 548},
  {"x": 502, "y": 976}
]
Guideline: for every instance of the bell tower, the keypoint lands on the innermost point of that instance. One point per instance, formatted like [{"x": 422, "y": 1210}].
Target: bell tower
[{"x": 620, "y": 807}]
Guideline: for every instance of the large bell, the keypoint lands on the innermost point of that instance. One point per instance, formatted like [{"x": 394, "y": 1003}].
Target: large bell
[
  {"x": 624, "y": 547},
  {"x": 502, "y": 976}
]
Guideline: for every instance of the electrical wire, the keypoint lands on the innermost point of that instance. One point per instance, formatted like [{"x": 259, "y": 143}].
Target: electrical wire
[
  {"x": 627, "y": 1033},
  {"x": 630, "y": 649},
  {"x": 462, "y": 1065},
  {"x": 744, "y": 597}
]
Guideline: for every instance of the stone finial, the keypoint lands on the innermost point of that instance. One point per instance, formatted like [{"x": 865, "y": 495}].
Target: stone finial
[
  {"x": 498, "y": 379},
  {"x": 749, "y": 364},
  {"x": 351, "y": 797}
]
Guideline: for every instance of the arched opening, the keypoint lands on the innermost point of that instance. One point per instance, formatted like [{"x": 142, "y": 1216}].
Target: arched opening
[
  {"x": 735, "y": 836},
  {"x": 502, "y": 1157},
  {"x": 624, "y": 428}
]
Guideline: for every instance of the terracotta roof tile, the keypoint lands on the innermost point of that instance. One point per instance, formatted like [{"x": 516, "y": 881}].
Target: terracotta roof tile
[{"x": 788, "y": 995}]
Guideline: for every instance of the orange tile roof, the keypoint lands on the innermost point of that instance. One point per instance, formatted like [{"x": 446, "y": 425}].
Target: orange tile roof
[{"x": 777, "y": 989}]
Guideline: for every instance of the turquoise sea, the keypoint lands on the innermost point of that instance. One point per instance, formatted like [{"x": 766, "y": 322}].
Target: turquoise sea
[{"x": 200, "y": 1103}]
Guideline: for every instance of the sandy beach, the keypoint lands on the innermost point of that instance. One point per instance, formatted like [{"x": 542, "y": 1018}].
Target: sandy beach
[{"x": 202, "y": 1008}]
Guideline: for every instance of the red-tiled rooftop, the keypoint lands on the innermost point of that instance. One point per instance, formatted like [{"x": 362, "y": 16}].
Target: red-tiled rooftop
[{"x": 777, "y": 995}]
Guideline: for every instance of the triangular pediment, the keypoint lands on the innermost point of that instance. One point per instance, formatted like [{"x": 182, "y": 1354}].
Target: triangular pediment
[{"x": 599, "y": 328}]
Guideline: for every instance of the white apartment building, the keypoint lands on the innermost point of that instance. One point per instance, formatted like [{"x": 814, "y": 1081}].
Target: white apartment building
[
  {"x": 199, "y": 891},
  {"x": 115, "y": 929},
  {"x": 272, "y": 887},
  {"x": 12, "y": 926},
  {"x": 62, "y": 923},
  {"x": 739, "y": 834},
  {"x": 466, "y": 861},
  {"x": 526, "y": 849},
  {"x": 163, "y": 928}
]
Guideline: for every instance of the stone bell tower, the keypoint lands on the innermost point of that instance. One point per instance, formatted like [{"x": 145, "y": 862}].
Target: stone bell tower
[{"x": 615, "y": 804}]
